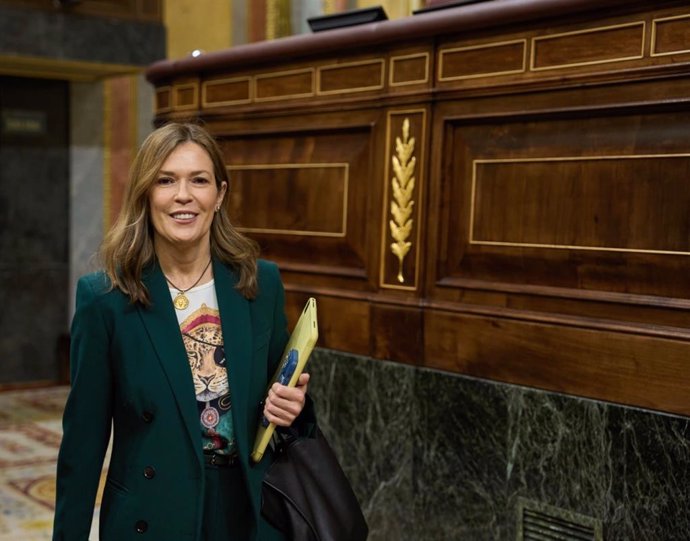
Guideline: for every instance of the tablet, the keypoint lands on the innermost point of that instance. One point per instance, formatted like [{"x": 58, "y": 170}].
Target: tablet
[{"x": 292, "y": 363}]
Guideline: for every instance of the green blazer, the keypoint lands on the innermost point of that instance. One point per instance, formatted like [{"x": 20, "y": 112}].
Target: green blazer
[{"x": 129, "y": 369}]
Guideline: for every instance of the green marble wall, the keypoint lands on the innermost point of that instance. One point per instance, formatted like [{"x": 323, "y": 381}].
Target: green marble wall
[{"x": 436, "y": 456}]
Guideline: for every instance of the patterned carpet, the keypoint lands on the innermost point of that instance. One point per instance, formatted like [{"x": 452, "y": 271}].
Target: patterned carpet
[{"x": 30, "y": 432}]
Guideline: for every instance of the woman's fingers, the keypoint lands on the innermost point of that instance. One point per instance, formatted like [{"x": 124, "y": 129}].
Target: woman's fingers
[
  {"x": 303, "y": 381},
  {"x": 284, "y": 404}
]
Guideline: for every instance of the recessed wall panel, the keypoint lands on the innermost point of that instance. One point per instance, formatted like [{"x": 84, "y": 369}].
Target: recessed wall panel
[
  {"x": 303, "y": 193},
  {"x": 583, "y": 203},
  {"x": 409, "y": 69},
  {"x": 351, "y": 77},
  {"x": 590, "y": 46},
  {"x": 671, "y": 35},
  {"x": 490, "y": 59},
  {"x": 291, "y": 199},
  {"x": 228, "y": 91},
  {"x": 586, "y": 202},
  {"x": 285, "y": 85}
]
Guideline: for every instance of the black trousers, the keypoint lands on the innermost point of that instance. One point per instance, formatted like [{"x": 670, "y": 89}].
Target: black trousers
[{"x": 227, "y": 512}]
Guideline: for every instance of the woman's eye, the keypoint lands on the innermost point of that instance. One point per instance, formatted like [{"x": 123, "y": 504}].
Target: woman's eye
[
  {"x": 200, "y": 180},
  {"x": 164, "y": 180}
]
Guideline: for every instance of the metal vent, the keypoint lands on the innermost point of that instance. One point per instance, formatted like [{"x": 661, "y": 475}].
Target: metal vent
[{"x": 541, "y": 522}]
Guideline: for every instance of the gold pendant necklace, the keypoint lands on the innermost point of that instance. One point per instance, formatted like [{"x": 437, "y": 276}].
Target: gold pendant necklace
[{"x": 181, "y": 302}]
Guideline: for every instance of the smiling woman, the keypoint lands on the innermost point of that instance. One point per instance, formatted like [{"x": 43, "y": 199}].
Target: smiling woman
[
  {"x": 183, "y": 201},
  {"x": 175, "y": 166},
  {"x": 173, "y": 344}
]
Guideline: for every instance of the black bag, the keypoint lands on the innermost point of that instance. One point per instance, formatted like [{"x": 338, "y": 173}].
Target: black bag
[{"x": 307, "y": 496}]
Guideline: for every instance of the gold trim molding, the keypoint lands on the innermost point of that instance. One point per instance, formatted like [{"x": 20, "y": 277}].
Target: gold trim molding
[
  {"x": 195, "y": 100},
  {"x": 161, "y": 90},
  {"x": 391, "y": 71},
  {"x": 654, "y": 31}
]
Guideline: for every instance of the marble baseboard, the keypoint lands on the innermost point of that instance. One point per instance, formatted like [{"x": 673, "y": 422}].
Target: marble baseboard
[
  {"x": 436, "y": 456},
  {"x": 365, "y": 412}
]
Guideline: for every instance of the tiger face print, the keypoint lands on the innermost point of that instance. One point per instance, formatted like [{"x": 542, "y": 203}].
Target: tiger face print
[{"x": 203, "y": 340}]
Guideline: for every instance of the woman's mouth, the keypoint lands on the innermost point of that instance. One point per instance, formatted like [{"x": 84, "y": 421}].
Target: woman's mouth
[{"x": 183, "y": 216}]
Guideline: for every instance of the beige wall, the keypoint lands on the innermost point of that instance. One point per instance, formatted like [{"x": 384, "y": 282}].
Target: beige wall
[
  {"x": 394, "y": 8},
  {"x": 208, "y": 24},
  {"x": 197, "y": 24}
]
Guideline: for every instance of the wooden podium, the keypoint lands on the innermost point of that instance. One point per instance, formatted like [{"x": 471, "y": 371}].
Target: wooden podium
[{"x": 500, "y": 189}]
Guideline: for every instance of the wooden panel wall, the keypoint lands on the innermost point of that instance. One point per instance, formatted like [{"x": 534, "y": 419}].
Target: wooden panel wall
[{"x": 508, "y": 201}]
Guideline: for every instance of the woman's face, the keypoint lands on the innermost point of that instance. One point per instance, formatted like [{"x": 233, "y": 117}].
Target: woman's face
[{"x": 184, "y": 198}]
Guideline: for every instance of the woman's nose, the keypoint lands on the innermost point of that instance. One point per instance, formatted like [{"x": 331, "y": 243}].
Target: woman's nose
[{"x": 182, "y": 191}]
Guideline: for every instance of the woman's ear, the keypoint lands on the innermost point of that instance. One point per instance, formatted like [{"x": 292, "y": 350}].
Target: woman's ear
[{"x": 221, "y": 194}]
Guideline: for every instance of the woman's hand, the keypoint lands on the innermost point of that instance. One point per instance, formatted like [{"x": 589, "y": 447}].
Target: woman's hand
[{"x": 284, "y": 404}]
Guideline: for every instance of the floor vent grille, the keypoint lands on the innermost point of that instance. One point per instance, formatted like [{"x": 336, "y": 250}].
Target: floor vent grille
[{"x": 541, "y": 522}]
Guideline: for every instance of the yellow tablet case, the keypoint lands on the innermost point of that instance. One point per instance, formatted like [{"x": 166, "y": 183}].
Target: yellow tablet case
[{"x": 303, "y": 340}]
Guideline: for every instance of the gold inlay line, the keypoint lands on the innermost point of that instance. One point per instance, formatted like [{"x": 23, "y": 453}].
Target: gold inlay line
[
  {"x": 161, "y": 90},
  {"x": 575, "y": 247},
  {"x": 217, "y": 82},
  {"x": 491, "y": 45},
  {"x": 195, "y": 100},
  {"x": 533, "y": 51},
  {"x": 331, "y": 67},
  {"x": 408, "y": 57},
  {"x": 346, "y": 181},
  {"x": 277, "y": 74},
  {"x": 655, "y": 22},
  {"x": 477, "y": 162}
]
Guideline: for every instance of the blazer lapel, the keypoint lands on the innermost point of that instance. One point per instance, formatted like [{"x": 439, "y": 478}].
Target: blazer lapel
[
  {"x": 163, "y": 329},
  {"x": 235, "y": 317}
]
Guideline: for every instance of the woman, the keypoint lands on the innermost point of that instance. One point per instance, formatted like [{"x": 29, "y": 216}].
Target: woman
[{"x": 174, "y": 345}]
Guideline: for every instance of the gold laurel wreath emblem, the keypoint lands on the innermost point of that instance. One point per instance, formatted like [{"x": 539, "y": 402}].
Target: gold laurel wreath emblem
[{"x": 403, "y": 187}]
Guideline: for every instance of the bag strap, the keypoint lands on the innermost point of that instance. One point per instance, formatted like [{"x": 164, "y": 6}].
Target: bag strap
[{"x": 282, "y": 438}]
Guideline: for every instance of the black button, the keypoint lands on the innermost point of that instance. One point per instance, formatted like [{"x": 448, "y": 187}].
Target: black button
[
  {"x": 147, "y": 416},
  {"x": 149, "y": 472},
  {"x": 141, "y": 526}
]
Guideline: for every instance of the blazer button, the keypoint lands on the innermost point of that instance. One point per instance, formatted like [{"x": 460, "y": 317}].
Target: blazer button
[
  {"x": 147, "y": 416},
  {"x": 141, "y": 526},
  {"x": 149, "y": 472}
]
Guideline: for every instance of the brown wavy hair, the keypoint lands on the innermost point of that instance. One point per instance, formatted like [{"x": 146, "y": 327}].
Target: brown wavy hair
[{"x": 127, "y": 248}]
